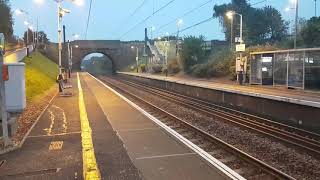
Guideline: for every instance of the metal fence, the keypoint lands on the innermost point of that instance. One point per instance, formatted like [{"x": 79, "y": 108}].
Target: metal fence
[{"x": 298, "y": 68}]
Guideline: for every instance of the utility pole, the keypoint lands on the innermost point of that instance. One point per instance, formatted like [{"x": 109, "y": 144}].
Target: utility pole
[
  {"x": 296, "y": 23},
  {"x": 231, "y": 40},
  {"x": 315, "y": 8},
  {"x": 4, "y": 115}
]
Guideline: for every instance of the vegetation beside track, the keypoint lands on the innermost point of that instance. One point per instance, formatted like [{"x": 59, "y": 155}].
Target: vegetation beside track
[{"x": 40, "y": 74}]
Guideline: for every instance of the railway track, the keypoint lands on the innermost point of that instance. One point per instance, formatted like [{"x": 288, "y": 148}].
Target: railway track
[
  {"x": 242, "y": 163},
  {"x": 304, "y": 140}
]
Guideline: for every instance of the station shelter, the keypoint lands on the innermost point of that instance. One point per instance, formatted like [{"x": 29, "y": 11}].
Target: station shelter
[{"x": 296, "y": 68}]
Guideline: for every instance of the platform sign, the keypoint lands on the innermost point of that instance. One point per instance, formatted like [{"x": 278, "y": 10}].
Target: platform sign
[{"x": 241, "y": 47}]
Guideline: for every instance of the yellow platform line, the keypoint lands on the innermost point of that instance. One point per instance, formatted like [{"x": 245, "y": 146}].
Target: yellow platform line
[{"x": 90, "y": 167}]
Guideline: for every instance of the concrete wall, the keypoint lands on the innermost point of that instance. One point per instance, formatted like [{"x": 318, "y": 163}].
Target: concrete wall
[{"x": 306, "y": 117}]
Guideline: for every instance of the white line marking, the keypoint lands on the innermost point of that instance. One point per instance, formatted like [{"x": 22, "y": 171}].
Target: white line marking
[
  {"x": 134, "y": 130},
  {"x": 213, "y": 161},
  {"x": 52, "y": 135},
  {"x": 164, "y": 156},
  {"x": 29, "y": 131}
]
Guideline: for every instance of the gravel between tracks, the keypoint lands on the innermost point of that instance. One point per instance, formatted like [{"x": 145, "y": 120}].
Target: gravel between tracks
[{"x": 293, "y": 162}]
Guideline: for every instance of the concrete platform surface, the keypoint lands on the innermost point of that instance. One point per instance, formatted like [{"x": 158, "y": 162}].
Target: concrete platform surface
[
  {"x": 54, "y": 150},
  {"x": 156, "y": 154},
  {"x": 307, "y": 98}
]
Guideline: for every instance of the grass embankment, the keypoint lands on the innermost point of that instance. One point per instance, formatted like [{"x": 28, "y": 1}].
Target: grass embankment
[{"x": 41, "y": 75}]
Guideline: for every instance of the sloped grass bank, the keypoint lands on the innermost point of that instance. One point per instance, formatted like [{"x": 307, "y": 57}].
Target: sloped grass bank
[{"x": 40, "y": 74}]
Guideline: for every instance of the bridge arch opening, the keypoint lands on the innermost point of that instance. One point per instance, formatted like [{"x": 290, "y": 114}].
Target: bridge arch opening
[{"x": 97, "y": 63}]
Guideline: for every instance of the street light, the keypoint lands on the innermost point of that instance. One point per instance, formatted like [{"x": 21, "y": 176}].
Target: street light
[
  {"x": 75, "y": 36},
  {"x": 296, "y": 7},
  {"x": 39, "y": 2},
  {"x": 137, "y": 57},
  {"x": 26, "y": 22},
  {"x": 152, "y": 29},
  {"x": 60, "y": 13},
  {"x": 230, "y": 15},
  {"x": 179, "y": 24},
  {"x": 240, "y": 75}
]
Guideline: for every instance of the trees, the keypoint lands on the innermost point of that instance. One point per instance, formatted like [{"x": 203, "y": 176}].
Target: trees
[
  {"x": 6, "y": 21},
  {"x": 192, "y": 52},
  {"x": 260, "y": 25},
  {"x": 42, "y": 37},
  {"x": 28, "y": 40},
  {"x": 310, "y": 33}
]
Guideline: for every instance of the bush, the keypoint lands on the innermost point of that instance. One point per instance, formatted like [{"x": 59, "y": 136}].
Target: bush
[
  {"x": 143, "y": 68},
  {"x": 200, "y": 70},
  {"x": 173, "y": 67},
  {"x": 156, "y": 68},
  {"x": 192, "y": 52}
]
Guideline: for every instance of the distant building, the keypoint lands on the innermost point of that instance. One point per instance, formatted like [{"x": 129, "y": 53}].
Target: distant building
[{"x": 214, "y": 45}]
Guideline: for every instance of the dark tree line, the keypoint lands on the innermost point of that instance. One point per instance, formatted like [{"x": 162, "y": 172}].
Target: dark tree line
[
  {"x": 6, "y": 21},
  {"x": 41, "y": 35},
  {"x": 260, "y": 25}
]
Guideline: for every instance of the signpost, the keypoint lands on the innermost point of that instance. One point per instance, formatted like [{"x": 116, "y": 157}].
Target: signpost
[
  {"x": 241, "y": 47},
  {"x": 240, "y": 63}
]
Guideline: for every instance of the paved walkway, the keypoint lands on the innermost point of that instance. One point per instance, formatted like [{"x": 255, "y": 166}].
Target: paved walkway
[
  {"x": 54, "y": 148},
  {"x": 308, "y": 98},
  {"x": 96, "y": 133}
]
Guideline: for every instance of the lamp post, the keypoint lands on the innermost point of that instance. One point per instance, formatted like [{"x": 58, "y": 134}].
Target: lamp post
[
  {"x": 315, "y": 8},
  {"x": 137, "y": 57},
  {"x": 179, "y": 24},
  {"x": 296, "y": 23},
  {"x": 60, "y": 13},
  {"x": 28, "y": 23},
  {"x": 240, "y": 70},
  {"x": 166, "y": 56},
  {"x": 230, "y": 15}
]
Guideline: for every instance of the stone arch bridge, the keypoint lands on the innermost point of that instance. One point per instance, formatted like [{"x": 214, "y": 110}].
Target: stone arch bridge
[{"x": 120, "y": 53}]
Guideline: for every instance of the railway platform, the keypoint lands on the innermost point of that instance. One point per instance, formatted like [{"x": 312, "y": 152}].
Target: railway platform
[
  {"x": 152, "y": 149},
  {"x": 307, "y": 98},
  {"x": 266, "y": 101},
  {"x": 123, "y": 142}
]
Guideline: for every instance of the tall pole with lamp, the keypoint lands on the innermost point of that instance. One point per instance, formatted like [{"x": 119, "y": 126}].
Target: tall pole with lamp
[
  {"x": 296, "y": 22},
  {"x": 240, "y": 71},
  {"x": 179, "y": 24}
]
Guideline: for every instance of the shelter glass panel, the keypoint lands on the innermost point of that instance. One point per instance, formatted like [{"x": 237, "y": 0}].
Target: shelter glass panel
[
  {"x": 256, "y": 66},
  {"x": 295, "y": 69},
  {"x": 312, "y": 70},
  {"x": 280, "y": 69}
]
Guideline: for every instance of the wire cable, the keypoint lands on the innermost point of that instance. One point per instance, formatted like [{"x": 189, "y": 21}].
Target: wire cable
[
  {"x": 144, "y": 20},
  {"x": 258, "y": 2},
  {"x": 183, "y": 15},
  {"x": 88, "y": 20},
  {"x": 194, "y": 25}
]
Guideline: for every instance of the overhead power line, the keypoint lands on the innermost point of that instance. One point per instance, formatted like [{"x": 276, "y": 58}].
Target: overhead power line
[
  {"x": 183, "y": 15},
  {"x": 88, "y": 20},
  {"x": 144, "y": 20},
  {"x": 135, "y": 11},
  {"x": 256, "y": 3},
  {"x": 194, "y": 25}
]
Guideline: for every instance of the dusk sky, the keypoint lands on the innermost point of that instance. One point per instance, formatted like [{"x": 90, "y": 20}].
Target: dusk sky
[{"x": 111, "y": 19}]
